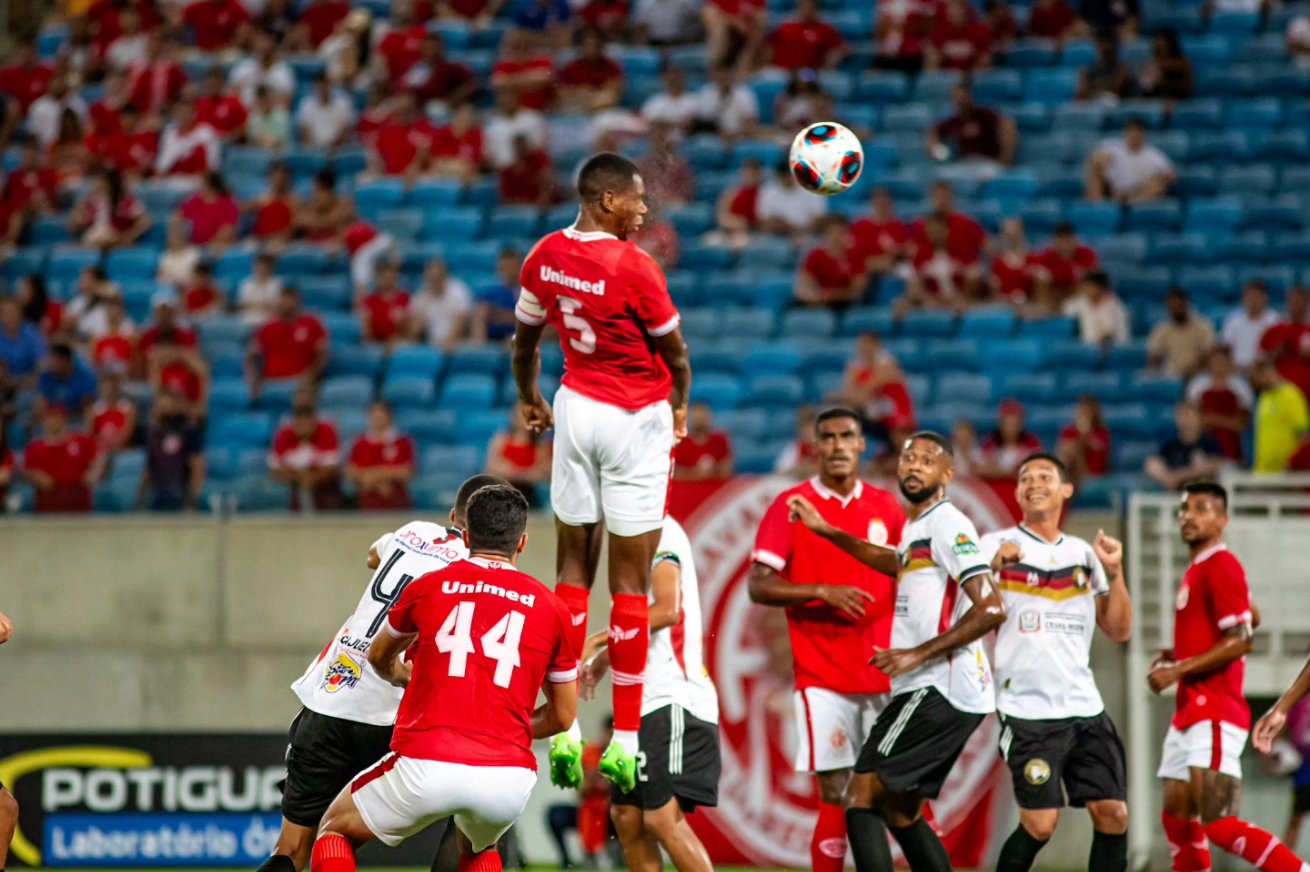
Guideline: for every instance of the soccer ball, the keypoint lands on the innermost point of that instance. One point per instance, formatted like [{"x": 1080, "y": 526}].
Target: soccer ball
[{"x": 826, "y": 158}]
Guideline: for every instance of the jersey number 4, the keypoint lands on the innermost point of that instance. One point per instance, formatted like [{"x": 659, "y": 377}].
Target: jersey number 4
[
  {"x": 585, "y": 341},
  {"x": 500, "y": 643}
]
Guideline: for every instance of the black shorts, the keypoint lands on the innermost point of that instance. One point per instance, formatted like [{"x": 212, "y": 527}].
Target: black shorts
[
  {"x": 323, "y": 754},
  {"x": 915, "y": 742},
  {"x": 679, "y": 757},
  {"x": 1300, "y": 798},
  {"x": 1078, "y": 758}
]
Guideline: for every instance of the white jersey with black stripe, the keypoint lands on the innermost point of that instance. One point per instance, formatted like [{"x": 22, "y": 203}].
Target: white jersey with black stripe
[
  {"x": 340, "y": 683},
  {"x": 939, "y": 552},
  {"x": 675, "y": 665}
]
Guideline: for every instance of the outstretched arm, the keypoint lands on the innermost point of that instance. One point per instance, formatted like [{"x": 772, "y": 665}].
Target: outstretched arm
[
  {"x": 1272, "y": 722},
  {"x": 986, "y": 614},
  {"x": 884, "y": 560}
]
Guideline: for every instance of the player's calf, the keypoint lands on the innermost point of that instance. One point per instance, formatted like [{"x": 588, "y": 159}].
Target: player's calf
[
  {"x": 482, "y": 861},
  {"x": 8, "y": 823},
  {"x": 1256, "y": 846},
  {"x": 672, "y": 830},
  {"x": 1036, "y": 826},
  {"x": 1109, "y": 836}
]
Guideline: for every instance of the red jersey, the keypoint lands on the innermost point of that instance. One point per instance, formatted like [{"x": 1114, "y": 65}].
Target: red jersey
[
  {"x": 26, "y": 84},
  {"x": 1015, "y": 275},
  {"x": 208, "y": 218},
  {"x": 400, "y": 145},
  {"x": 692, "y": 452},
  {"x": 528, "y": 181},
  {"x": 22, "y": 186},
  {"x": 215, "y": 22},
  {"x": 804, "y": 45},
  {"x": 156, "y": 86},
  {"x": 178, "y": 376},
  {"x": 201, "y": 298},
  {"x": 1064, "y": 274},
  {"x": 1051, "y": 21},
  {"x": 965, "y": 237},
  {"x": 67, "y": 462},
  {"x": 745, "y": 203},
  {"x": 289, "y": 347},
  {"x": 385, "y": 314},
  {"x": 962, "y": 47},
  {"x": 1096, "y": 453},
  {"x": 109, "y": 422},
  {"x": 832, "y": 274},
  {"x": 391, "y": 450},
  {"x": 606, "y": 298},
  {"x": 449, "y": 145},
  {"x": 320, "y": 19},
  {"x": 183, "y": 337},
  {"x": 874, "y": 238},
  {"x": 323, "y": 448},
  {"x": 1212, "y": 599},
  {"x": 401, "y": 49},
  {"x": 225, "y": 113},
  {"x": 488, "y": 638},
  {"x": 581, "y": 72},
  {"x": 1290, "y": 346},
  {"x": 114, "y": 350},
  {"x": 273, "y": 218},
  {"x": 830, "y": 649},
  {"x": 539, "y": 69}
]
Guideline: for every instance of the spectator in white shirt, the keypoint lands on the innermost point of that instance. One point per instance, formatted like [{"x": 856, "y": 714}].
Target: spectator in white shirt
[
  {"x": 668, "y": 22},
  {"x": 507, "y": 124},
  {"x": 44, "y": 115},
  {"x": 180, "y": 257},
  {"x": 1298, "y": 40},
  {"x": 258, "y": 293},
  {"x": 727, "y": 107},
  {"x": 186, "y": 147},
  {"x": 785, "y": 207},
  {"x": 129, "y": 47},
  {"x": 264, "y": 68},
  {"x": 325, "y": 117},
  {"x": 1102, "y": 318},
  {"x": 673, "y": 106},
  {"x": 1244, "y": 327},
  {"x": 1128, "y": 170},
  {"x": 442, "y": 306}
]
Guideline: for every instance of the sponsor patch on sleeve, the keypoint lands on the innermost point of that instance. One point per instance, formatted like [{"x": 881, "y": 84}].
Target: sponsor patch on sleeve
[{"x": 964, "y": 546}]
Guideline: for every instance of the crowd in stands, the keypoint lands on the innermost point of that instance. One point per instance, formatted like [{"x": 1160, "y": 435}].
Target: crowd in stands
[{"x": 271, "y": 249}]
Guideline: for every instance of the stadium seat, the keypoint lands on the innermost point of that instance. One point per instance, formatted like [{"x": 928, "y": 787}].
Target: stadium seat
[
  {"x": 413, "y": 360},
  {"x": 927, "y": 324},
  {"x": 350, "y": 391},
  {"x": 472, "y": 359},
  {"x": 464, "y": 390},
  {"x": 410, "y": 391},
  {"x": 720, "y": 391},
  {"x": 809, "y": 324},
  {"x": 365, "y": 360},
  {"x": 992, "y": 322},
  {"x": 962, "y": 387},
  {"x": 767, "y": 358},
  {"x": 774, "y": 390},
  {"x": 867, "y": 320}
]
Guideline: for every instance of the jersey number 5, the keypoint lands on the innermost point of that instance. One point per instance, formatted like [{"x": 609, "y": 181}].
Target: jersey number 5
[
  {"x": 500, "y": 643},
  {"x": 585, "y": 341}
]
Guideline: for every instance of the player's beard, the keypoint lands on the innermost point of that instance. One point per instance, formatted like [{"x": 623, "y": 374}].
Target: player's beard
[{"x": 918, "y": 497}]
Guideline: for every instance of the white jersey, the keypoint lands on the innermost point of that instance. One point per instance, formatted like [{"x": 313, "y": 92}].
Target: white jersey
[
  {"x": 1043, "y": 663},
  {"x": 340, "y": 682},
  {"x": 675, "y": 667},
  {"x": 939, "y": 552}
]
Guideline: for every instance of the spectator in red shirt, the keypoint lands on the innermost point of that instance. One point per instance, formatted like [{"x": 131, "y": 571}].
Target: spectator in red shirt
[
  {"x": 129, "y": 147},
  {"x": 457, "y": 148},
  {"x": 966, "y": 238},
  {"x": 275, "y": 210},
  {"x": 831, "y": 275},
  {"x": 1084, "y": 445},
  {"x": 45, "y": 314},
  {"x": 974, "y": 132},
  {"x": 106, "y": 112},
  {"x": 294, "y": 345},
  {"x": 609, "y": 17},
  {"x": 523, "y": 71},
  {"x": 306, "y": 456},
  {"x": 901, "y": 34},
  {"x": 384, "y": 313},
  {"x": 216, "y": 25},
  {"x": 591, "y": 82},
  {"x": 1055, "y": 20},
  {"x": 798, "y": 459},
  {"x": 521, "y": 458},
  {"x": 402, "y": 145},
  {"x": 318, "y": 21},
  {"x": 201, "y": 297},
  {"x": 1007, "y": 446},
  {"x": 108, "y": 18},
  {"x": 108, "y": 216},
  {"x": 670, "y": 180},
  {"x": 68, "y": 156},
  {"x": 401, "y": 48},
  {"x": 1288, "y": 342},
  {"x": 324, "y": 216},
  {"x": 1225, "y": 400},
  {"x": 734, "y": 31},
  {"x": 62, "y": 465},
  {"x": 187, "y": 147},
  {"x": 881, "y": 239},
  {"x": 111, "y": 419},
  {"x": 157, "y": 81},
  {"x": 220, "y": 107},
  {"x": 806, "y": 42},
  {"x": 941, "y": 276},
  {"x": 874, "y": 384},
  {"x": 1063, "y": 265},
  {"x": 530, "y": 179},
  {"x": 113, "y": 349},
  {"x": 736, "y": 214},
  {"x": 959, "y": 41},
  {"x": 212, "y": 213},
  {"x": 381, "y": 463},
  {"x": 167, "y": 326},
  {"x": 25, "y": 78},
  {"x": 435, "y": 77},
  {"x": 182, "y": 370},
  {"x": 1015, "y": 268},
  {"x": 32, "y": 189},
  {"x": 1001, "y": 23},
  {"x": 704, "y": 453}
]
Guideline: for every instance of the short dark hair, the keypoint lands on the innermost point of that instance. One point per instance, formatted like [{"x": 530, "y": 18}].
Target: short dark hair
[
  {"x": 943, "y": 442},
  {"x": 1135, "y": 121},
  {"x": 469, "y": 488},
  {"x": 62, "y": 350},
  {"x": 497, "y": 515},
  {"x": 1213, "y": 488},
  {"x": 603, "y": 172},
  {"x": 1048, "y": 458},
  {"x": 834, "y": 413},
  {"x": 1064, "y": 228},
  {"x": 1098, "y": 277}
]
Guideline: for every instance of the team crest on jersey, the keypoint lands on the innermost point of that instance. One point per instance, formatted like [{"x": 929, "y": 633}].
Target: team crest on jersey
[
  {"x": 1184, "y": 593},
  {"x": 964, "y": 546},
  {"x": 1030, "y": 622},
  {"x": 1080, "y": 578},
  {"x": 877, "y": 532},
  {"x": 1037, "y": 771},
  {"x": 344, "y": 672},
  {"x": 838, "y": 739}
]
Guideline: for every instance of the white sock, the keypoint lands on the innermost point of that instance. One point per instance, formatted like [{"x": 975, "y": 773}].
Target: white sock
[
  {"x": 627, "y": 739},
  {"x": 574, "y": 732}
]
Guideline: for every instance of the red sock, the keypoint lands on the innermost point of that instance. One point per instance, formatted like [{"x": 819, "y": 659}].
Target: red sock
[
  {"x": 628, "y": 641},
  {"x": 828, "y": 846},
  {"x": 1187, "y": 844},
  {"x": 930, "y": 818},
  {"x": 1258, "y": 847},
  {"x": 332, "y": 853},
  {"x": 484, "y": 861},
  {"x": 575, "y": 600}
]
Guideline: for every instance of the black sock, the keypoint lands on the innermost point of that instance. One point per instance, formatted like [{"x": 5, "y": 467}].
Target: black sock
[
  {"x": 1109, "y": 853},
  {"x": 921, "y": 847},
  {"x": 1019, "y": 851},
  {"x": 276, "y": 863},
  {"x": 867, "y": 835}
]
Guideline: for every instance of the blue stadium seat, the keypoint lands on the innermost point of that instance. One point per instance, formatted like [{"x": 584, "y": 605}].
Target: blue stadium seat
[
  {"x": 1131, "y": 356},
  {"x": 991, "y": 322},
  {"x": 1094, "y": 219},
  {"x": 909, "y": 117},
  {"x": 415, "y": 360},
  {"x": 409, "y": 391},
  {"x": 701, "y": 323},
  {"x": 275, "y": 395},
  {"x": 225, "y": 328},
  {"x": 1142, "y": 283},
  {"x": 429, "y": 426},
  {"x": 1199, "y": 181},
  {"x": 809, "y": 323},
  {"x": 1207, "y": 283},
  {"x": 479, "y": 359},
  {"x": 1219, "y": 146},
  {"x": 927, "y": 324},
  {"x": 743, "y": 423},
  {"x": 1036, "y": 387},
  {"x": 1131, "y": 455},
  {"x": 1259, "y": 114},
  {"x": 351, "y": 391},
  {"x": 774, "y": 390},
  {"x": 1181, "y": 248},
  {"x": 950, "y": 355},
  {"x": 1153, "y": 387},
  {"x": 1105, "y": 386},
  {"x": 241, "y": 429},
  {"x": 380, "y": 194},
  {"x": 692, "y": 219},
  {"x": 403, "y": 224},
  {"x": 1160, "y": 215},
  {"x": 463, "y": 391},
  {"x": 1285, "y": 145},
  {"x": 1126, "y": 248},
  {"x": 720, "y": 391},
  {"x": 867, "y": 320},
  {"x": 997, "y": 86},
  {"x": 962, "y": 387},
  {"x": 126, "y": 264},
  {"x": 227, "y": 395},
  {"x": 1247, "y": 247},
  {"x": 457, "y": 223},
  {"x": 220, "y": 462},
  {"x": 449, "y": 457},
  {"x": 1282, "y": 214},
  {"x": 365, "y": 360},
  {"x": 515, "y": 221},
  {"x": 1199, "y": 114},
  {"x": 1277, "y": 278},
  {"x": 325, "y": 293},
  {"x": 435, "y": 193},
  {"x": 342, "y": 327},
  {"x": 882, "y": 87},
  {"x": 772, "y": 357},
  {"x": 1223, "y": 215},
  {"x": 66, "y": 262},
  {"x": 1048, "y": 328},
  {"x": 1130, "y": 419},
  {"x": 705, "y": 258},
  {"x": 1031, "y": 53},
  {"x": 1292, "y": 247},
  {"x": 1248, "y": 179}
]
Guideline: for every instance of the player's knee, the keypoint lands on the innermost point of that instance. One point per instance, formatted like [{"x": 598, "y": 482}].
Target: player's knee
[
  {"x": 626, "y": 818},
  {"x": 1109, "y": 816},
  {"x": 663, "y": 822},
  {"x": 1040, "y": 827}
]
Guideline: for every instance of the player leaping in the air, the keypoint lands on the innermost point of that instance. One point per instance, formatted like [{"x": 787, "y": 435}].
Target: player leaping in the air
[
  {"x": 1201, "y": 764},
  {"x": 941, "y": 682},
  {"x": 349, "y": 711},
  {"x": 620, "y": 408}
]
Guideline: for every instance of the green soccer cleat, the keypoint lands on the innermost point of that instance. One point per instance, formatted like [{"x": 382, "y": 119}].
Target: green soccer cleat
[
  {"x": 565, "y": 762},
  {"x": 619, "y": 768}
]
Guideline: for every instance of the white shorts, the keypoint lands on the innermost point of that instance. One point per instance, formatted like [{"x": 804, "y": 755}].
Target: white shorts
[
  {"x": 611, "y": 464},
  {"x": 399, "y": 796},
  {"x": 833, "y": 726},
  {"x": 1204, "y": 745}
]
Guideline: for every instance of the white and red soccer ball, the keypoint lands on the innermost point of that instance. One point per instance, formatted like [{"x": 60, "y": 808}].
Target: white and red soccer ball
[{"x": 826, "y": 158}]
